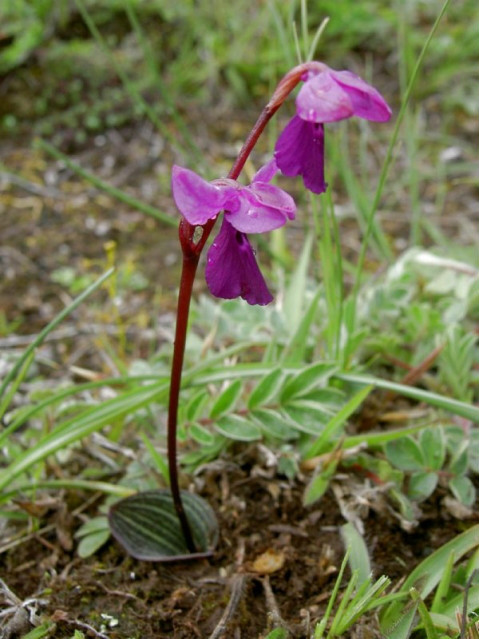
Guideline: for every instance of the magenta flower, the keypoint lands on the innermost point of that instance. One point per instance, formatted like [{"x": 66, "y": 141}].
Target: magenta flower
[
  {"x": 327, "y": 96},
  {"x": 231, "y": 269}
]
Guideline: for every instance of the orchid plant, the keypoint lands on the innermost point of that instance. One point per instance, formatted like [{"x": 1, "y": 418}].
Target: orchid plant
[{"x": 188, "y": 525}]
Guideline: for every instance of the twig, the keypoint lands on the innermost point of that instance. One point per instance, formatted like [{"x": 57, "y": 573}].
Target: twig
[
  {"x": 65, "y": 332},
  {"x": 118, "y": 593},
  {"x": 20, "y": 539},
  {"x": 27, "y": 185},
  {"x": 464, "y": 605},
  {"x": 236, "y": 592},
  {"x": 61, "y": 616},
  {"x": 273, "y": 611},
  {"x": 418, "y": 371}
]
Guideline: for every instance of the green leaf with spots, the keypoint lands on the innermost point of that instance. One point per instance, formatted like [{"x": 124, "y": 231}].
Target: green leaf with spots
[{"x": 147, "y": 527}]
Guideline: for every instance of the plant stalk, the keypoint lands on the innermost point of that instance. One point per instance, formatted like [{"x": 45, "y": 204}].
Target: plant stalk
[
  {"x": 188, "y": 272},
  {"x": 192, "y": 248}
]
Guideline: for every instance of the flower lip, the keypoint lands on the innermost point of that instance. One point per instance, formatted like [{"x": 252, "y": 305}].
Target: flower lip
[
  {"x": 300, "y": 151},
  {"x": 231, "y": 268}
]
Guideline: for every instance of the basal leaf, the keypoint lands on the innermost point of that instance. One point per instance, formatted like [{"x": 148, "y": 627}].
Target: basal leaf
[
  {"x": 397, "y": 618},
  {"x": 147, "y": 527}
]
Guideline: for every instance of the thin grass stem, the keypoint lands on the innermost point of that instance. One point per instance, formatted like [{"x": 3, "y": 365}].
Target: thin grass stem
[
  {"x": 104, "y": 186},
  {"x": 389, "y": 153},
  {"x": 127, "y": 83},
  {"x": 51, "y": 326}
]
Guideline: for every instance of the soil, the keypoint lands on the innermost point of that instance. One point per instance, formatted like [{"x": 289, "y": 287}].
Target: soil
[
  {"x": 50, "y": 219},
  {"x": 115, "y": 596}
]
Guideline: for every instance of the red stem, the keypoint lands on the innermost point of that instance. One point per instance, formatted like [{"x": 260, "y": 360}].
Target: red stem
[
  {"x": 191, "y": 254},
  {"x": 188, "y": 271}
]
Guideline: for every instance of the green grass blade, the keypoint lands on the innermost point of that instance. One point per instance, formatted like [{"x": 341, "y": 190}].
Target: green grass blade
[
  {"x": 78, "y": 427},
  {"x": 160, "y": 463},
  {"x": 59, "y": 396},
  {"x": 331, "y": 428},
  {"x": 295, "y": 350},
  {"x": 453, "y": 406},
  {"x": 389, "y": 152},
  {"x": 7, "y": 398},
  {"x": 51, "y": 326},
  {"x": 150, "y": 59},
  {"x": 396, "y": 619},
  {"x": 374, "y": 440},
  {"x": 41, "y": 631},
  {"x": 358, "y": 556},
  {"x": 294, "y": 296},
  {"x": 129, "y": 86},
  {"x": 424, "y": 614},
  {"x": 443, "y": 586},
  {"x": 120, "y": 195},
  {"x": 319, "y": 631},
  {"x": 68, "y": 484}
]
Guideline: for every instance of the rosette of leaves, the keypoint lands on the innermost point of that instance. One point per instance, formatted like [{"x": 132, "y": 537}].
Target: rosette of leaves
[{"x": 438, "y": 453}]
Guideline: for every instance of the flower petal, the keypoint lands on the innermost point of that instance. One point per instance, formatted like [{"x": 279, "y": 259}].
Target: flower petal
[
  {"x": 231, "y": 269},
  {"x": 196, "y": 199},
  {"x": 263, "y": 208},
  {"x": 267, "y": 172},
  {"x": 367, "y": 102},
  {"x": 321, "y": 99},
  {"x": 300, "y": 151}
]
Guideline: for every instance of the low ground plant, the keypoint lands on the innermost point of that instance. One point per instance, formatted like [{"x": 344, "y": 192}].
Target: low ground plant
[{"x": 292, "y": 376}]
